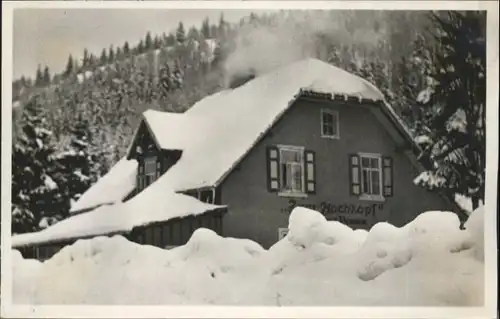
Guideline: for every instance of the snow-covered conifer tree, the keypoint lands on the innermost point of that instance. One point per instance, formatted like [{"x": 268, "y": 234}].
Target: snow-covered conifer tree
[
  {"x": 455, "y": 105},
  {"x": 180, "y": 33},
  {"x": 35, "y": 194},
  {"x": 76, "y": 165}
]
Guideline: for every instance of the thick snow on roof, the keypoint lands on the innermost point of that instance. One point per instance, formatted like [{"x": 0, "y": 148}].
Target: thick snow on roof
[
  {"x": 169, "y": 128},
  {"x": 111, "y": 188},
  {"x": 221, "y": 128},
  {"x": 121, "y": 217}
]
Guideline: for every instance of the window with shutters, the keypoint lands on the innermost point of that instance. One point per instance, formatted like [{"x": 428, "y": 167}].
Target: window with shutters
[
  {"x": 371, "y": 176},
  {"x": 291, "y": 170},
  {"x": 329, "y": 123}
]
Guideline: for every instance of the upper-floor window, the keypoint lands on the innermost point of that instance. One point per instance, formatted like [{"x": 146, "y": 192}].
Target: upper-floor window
[
  {"x": 329, "y": 123},
  {"x": 291, "y": 170}
]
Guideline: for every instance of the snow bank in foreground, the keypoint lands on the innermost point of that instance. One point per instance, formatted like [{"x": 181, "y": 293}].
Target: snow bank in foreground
[
  {"x": 430, "y": 262},
  {"x": 24, "y": 276}
]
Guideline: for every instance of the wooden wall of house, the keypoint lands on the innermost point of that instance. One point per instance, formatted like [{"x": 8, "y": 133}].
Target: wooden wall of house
[
  {"x": 259, "y": 213},
  {"x": 169, "y": 158},
  {"x": 176, "y": 232},
  {"x": 144, "y": 140},
  {"x": 42, "y": 252},
  {"x": 210, "y": 196}
]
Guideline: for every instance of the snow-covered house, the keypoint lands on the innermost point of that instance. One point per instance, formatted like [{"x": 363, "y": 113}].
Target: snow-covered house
[{"x": 306, "y": 134}]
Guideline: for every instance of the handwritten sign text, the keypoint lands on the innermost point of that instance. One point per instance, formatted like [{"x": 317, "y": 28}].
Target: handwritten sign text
[{"x": 352, "y": 214}]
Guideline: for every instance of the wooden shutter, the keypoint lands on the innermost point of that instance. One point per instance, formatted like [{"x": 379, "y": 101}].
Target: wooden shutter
[
  {"x": 387, "y": 176},
  {"x": 140, "y": 176},
  {"x": 273, "y": 168},
  {"x": 310, "y": 171},
  {"x": 354, "y": 174},
  {"x": 158, "y": 167}
]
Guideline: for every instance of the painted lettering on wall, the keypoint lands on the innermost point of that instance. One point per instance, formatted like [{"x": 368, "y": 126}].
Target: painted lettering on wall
[{"x": 346, "y": 213}]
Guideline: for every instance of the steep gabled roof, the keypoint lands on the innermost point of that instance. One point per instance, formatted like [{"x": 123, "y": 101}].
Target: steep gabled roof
[
  {"x": 213, "y": 135},
  {"x": 166, "y": 129},
  {"x": 218, "y": 131}
]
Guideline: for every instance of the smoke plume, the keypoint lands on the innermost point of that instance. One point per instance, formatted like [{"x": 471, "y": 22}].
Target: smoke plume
[{"x": 289, "y": 36}]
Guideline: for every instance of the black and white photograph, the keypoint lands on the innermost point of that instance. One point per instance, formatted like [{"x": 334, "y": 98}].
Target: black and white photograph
[{"x": 274, "y": 156}]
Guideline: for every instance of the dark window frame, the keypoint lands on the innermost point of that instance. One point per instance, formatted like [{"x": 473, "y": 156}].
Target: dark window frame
[{"x": 330, "y": 126}]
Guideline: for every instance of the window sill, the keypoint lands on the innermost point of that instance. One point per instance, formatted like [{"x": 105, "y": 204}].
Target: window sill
[
  {"x": 331, "y": 137},
  {"x": 372, "y": 198},
  {"x": 291, "y": 194}
]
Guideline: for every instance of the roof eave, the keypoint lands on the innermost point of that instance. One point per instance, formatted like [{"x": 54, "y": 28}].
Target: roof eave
[
  {"x": 219, "y": 209},
  {"x": 263, "y": 134}
]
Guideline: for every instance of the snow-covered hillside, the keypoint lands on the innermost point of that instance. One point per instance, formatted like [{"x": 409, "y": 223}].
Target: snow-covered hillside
[{"x": 428, "y": 262}]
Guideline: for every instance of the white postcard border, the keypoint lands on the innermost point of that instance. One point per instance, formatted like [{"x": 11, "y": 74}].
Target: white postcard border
[{"x": 489, "y": 310}]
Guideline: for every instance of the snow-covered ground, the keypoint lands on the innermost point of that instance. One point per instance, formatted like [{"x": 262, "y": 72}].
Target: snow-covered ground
[{"x": 430, "y": 262}]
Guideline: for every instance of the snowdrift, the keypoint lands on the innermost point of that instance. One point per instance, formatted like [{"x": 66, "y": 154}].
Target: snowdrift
[{"x": 428, "y": 262}]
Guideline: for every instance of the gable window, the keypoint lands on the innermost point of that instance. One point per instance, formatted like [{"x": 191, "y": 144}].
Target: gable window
[
  {"x": 149, "y": 171},
  {"x": 371, "y": 176},
  {"x": 291, "y": 170},
  {"x": 329, "y": 123}
]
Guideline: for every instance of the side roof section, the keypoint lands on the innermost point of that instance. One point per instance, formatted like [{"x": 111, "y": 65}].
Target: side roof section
[{"x": 110, "y": 188}]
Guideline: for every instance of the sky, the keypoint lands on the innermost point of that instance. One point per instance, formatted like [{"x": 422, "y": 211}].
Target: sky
[{"x": 48, "y": 36}]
